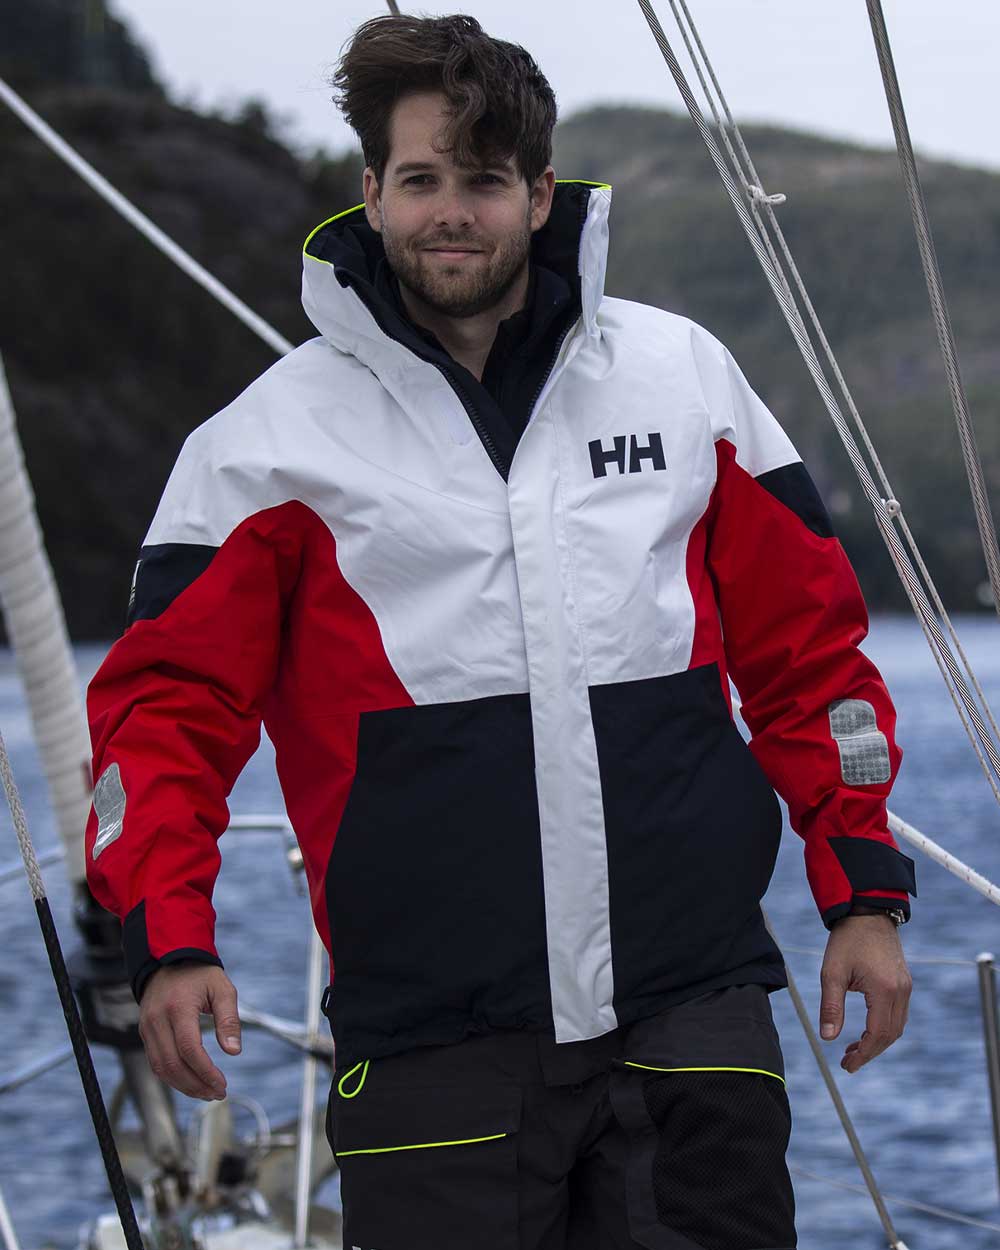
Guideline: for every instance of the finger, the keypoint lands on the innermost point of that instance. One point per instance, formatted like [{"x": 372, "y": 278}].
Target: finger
[
  {"x": 166, "y": 1064},
  {"x": 222, "y": 1000},
  {"x": 153, "y": 1056},
  {"x": 833, "y": 984},
  {"x": 194, "y": 1062},
  {"x": 878, "y": 1032}
]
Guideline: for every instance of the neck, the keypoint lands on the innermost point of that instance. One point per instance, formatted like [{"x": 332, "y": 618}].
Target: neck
[{"x": 467, "y": 340}]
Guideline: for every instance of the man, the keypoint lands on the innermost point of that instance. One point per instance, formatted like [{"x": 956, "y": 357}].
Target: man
[{"x": 483, "y": 557}]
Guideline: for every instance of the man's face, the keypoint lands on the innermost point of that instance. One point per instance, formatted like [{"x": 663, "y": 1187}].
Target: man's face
[{"x": 458, "y": 238}]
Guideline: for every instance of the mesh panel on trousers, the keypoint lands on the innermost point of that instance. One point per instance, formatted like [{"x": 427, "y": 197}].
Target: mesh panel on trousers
[{"x": 719, "y": 1173}]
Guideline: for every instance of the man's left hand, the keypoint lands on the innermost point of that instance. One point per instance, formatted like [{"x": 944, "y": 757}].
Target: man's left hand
[{"x": 864, "y": 953}]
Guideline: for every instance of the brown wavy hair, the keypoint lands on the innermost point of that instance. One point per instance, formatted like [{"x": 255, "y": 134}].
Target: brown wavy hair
[{"x": 501, "y": 105}]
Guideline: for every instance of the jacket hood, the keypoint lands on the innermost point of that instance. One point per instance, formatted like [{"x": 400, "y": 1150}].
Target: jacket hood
[{"x": 342, "y": 259}]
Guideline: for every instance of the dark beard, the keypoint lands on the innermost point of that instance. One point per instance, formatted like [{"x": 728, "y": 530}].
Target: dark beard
[{"x": 456, "y": 296}]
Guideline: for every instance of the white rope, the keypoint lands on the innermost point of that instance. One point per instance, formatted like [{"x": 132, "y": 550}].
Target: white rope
[
  {"x": 20, "y": 825},
  {"x": 36, "y": 627},
  {"x": 142, "y": 223},
  {"x": 939, "y": 304},
  {"x": 10, "y": 1240},
  {"x": 969, "y": 875},
  {"x": 885, "y": 507}
]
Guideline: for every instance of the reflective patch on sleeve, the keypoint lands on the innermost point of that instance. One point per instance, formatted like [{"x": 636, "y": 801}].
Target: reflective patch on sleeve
[
  {"x": 864, "y": 750},
  {"x": 109, "y": 804}
]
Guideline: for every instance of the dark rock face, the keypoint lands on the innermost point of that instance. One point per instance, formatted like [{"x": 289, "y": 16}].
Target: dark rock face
[
  {"x": 70, "y": 42},
  {"x": 113, "y": 355}
]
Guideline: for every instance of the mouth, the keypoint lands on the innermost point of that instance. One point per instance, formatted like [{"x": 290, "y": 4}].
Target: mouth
[{"x": 454, "y": 253}]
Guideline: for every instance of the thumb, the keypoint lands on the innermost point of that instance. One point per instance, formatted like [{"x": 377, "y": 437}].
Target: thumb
[
  {"x": 831, "y": 1010},
  {"x": 227, "y": 1018}
]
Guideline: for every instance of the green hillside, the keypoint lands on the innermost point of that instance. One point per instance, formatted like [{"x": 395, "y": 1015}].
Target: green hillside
[{"x": 114, "y": 356}]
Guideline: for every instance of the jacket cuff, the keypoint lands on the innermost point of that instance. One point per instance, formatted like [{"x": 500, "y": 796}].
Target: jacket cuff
[
  {"x": 141, "y": 963},
  {"x": 877, "y": 873},
  {"x": 871, "y": 866}
]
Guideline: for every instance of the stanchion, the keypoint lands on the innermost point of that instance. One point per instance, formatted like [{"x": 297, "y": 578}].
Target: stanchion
[{"x": 991, "y": 1035}]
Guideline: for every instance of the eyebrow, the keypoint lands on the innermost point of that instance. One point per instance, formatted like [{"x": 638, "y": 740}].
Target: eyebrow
[
  {"x": 412, "y": 167},
  {"x": 421, "y": 167}
]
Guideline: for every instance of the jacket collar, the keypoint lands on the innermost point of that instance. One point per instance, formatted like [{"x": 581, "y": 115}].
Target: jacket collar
[{"x": 343, "y": 286}]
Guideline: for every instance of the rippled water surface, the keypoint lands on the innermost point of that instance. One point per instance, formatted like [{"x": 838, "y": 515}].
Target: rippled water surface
[{"x": 921, "y": 1110}]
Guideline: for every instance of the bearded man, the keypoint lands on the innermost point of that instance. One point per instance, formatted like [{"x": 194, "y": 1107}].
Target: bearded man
[{"x": 483, "y": 557}]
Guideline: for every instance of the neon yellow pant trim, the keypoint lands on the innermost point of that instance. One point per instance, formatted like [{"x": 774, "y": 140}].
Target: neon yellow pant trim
[
  {"x": 423, "y": 1145},
  {"x": 361, "y": 1080},
  {"x": 649, "y": 1068}
]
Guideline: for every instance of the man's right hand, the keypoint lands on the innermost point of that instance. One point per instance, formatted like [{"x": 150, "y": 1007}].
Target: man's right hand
[{"x": 174, "y": 998}]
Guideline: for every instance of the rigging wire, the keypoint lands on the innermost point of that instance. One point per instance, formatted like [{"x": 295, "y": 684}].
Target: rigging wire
[
  {"x": 939, "y": 304},
  {"x": 760, "y": 202},
  {"x": 942, "y": 1212},
  {"x": 886, "y": 508},
  {"x": 843, "y": 1114},
  {"x": 84, "y": 1060},
  {"x": 173, "y": 251}
]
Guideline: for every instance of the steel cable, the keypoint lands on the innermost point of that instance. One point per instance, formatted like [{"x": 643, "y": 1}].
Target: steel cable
[
  {"x": 844, "y": 1115},
  {"x": 941, "y": 1212},
  {"x": 764, "y": 203},
  {"x": 939, "y": 304},
  {"x": 125, "y": 208},
  {"x": 753, "y": 185},
  {"x": 886, "y": 510}
]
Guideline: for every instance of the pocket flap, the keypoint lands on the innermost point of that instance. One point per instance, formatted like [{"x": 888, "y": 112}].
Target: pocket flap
[
  {"x": 380, "y": 1121},
  {"x": 729, "y": 1029}
]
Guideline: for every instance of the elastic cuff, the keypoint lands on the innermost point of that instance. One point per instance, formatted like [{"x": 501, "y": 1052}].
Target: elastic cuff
[{"x": 141, "y": 963}]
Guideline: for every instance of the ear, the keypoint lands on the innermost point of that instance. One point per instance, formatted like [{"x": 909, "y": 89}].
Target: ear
[
  {"x": 541, "y": 198},
  {"x": 373, "y": 197}
]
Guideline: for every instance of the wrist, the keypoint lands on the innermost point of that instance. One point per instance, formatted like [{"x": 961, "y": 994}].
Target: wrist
[{"x": 896, "y": 915}]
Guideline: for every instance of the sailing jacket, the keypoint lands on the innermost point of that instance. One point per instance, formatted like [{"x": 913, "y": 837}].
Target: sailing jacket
[{"x": 496, "y": 670}]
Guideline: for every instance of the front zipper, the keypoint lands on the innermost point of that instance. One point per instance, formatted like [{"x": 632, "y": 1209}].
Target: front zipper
[
  {"x": 501, "y": 465},
  {"x": 548, "y": 372}
]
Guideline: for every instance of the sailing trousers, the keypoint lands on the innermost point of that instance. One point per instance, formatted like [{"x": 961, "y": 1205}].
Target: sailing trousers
[{"x": 669, "y": 1134}]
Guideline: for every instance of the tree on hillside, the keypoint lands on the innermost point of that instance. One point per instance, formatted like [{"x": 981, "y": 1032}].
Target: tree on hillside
[{"x": 70, "y": 43}]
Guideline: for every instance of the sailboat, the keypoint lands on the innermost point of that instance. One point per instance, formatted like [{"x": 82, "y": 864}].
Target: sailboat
[{"x": 235, "y": 1182}]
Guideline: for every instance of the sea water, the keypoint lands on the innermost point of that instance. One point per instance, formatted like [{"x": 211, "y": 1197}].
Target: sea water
[{"x": 921, "y": 1109}]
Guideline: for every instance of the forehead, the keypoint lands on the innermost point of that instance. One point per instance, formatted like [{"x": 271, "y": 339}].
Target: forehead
[{"x": 416, "y": 130}]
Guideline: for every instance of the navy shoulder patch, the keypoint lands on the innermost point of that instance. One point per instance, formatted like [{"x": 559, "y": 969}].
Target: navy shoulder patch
[
  {"x": 164, "y": 571},
  {"x": 792, "y": 486}
]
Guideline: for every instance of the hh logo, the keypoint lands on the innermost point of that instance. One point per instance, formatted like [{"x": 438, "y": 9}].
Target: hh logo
[{"x": 653, "y": 452}]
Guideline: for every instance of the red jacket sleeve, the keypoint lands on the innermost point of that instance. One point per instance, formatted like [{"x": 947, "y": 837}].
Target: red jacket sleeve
[
  {"x": 175, "y": 713},
  {"x": 793, "y": 616}
]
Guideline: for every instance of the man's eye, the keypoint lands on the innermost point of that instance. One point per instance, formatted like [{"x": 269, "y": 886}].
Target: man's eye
[
  {"x": 486, "y": 178},
  {"x": 416, "y": 180}
]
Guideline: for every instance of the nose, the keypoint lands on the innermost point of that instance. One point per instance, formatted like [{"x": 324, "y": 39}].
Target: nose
[{"x": 453, "y": 209}]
